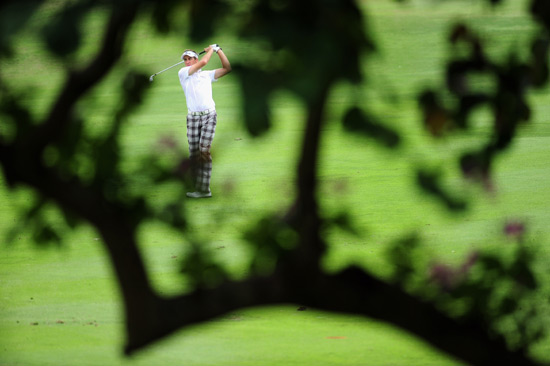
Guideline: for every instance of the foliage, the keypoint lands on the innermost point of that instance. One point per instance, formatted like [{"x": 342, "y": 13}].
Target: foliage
[{"x": 494, "y": 316}]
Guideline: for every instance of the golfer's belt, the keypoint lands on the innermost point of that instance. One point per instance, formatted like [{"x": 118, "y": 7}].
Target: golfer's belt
[{"x": 202, "y": 113}]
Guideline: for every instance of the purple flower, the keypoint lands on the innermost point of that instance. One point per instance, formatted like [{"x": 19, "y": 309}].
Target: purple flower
[
  {"x": 514, "y": 229},
  {"x": 167, "y": 142},
  {"x": 447, "y": 277},
  {"x": 443, "y": 275},
  {"x": 183, "y": 167}
]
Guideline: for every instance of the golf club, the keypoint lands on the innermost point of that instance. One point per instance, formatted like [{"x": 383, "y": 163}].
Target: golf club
[{"x": 168, "y": 68}]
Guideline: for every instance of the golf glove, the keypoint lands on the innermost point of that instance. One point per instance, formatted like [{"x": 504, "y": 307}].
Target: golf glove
[{"x": 216, "y": 47}]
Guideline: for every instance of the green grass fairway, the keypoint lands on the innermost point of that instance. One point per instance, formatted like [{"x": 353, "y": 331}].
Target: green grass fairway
[{"x": 60, "y": 306}]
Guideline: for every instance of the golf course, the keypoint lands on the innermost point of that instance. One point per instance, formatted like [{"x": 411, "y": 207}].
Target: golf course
[{"x": 60, "y": 303}]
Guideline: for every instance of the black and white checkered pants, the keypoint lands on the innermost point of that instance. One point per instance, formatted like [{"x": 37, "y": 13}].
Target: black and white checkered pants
[{"x": 200, "y": 134}]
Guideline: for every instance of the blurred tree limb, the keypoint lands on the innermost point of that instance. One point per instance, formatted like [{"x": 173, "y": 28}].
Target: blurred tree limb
[{"x": 293, "y": 243}]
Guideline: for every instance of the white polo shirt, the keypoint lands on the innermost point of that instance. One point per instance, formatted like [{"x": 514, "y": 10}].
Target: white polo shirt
[{"x": 198, "y": 89}]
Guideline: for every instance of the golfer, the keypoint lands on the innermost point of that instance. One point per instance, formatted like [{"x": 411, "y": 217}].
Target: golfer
[{"x": 201, "y": 115}]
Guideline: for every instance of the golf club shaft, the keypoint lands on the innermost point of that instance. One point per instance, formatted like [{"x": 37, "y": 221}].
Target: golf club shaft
[{"x": 168, "y": 68}]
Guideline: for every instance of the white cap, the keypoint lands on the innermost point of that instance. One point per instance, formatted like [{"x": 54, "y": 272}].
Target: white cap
[{"x": 190, "y": 54}]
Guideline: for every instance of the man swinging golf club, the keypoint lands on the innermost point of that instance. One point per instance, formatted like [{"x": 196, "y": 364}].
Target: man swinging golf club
[{"x": 201, "y": 116}]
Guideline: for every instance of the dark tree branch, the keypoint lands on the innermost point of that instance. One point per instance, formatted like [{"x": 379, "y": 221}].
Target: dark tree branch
[
  {"x": 79, "y": 82},
  {"x": 354, "y": 291},
  {"x": 304, "y": 214},
  {"x": 172, "y": 314},
  {"x": 110, "y": 219},
  {"x": 298, "y": 277},
  {"x": 22, "y": 164}
]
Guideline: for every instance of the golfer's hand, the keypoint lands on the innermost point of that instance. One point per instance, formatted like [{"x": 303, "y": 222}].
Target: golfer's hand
[{"x": 215, "y": 47}]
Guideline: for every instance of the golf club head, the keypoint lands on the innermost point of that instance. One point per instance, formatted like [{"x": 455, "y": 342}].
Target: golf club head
[{"x": 151, "y": 78}]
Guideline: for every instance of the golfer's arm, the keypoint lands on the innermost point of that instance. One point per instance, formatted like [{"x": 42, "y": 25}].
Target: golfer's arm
[
  {"x": 226, "y": 66},
  {"x": 201, "y": 63}
]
